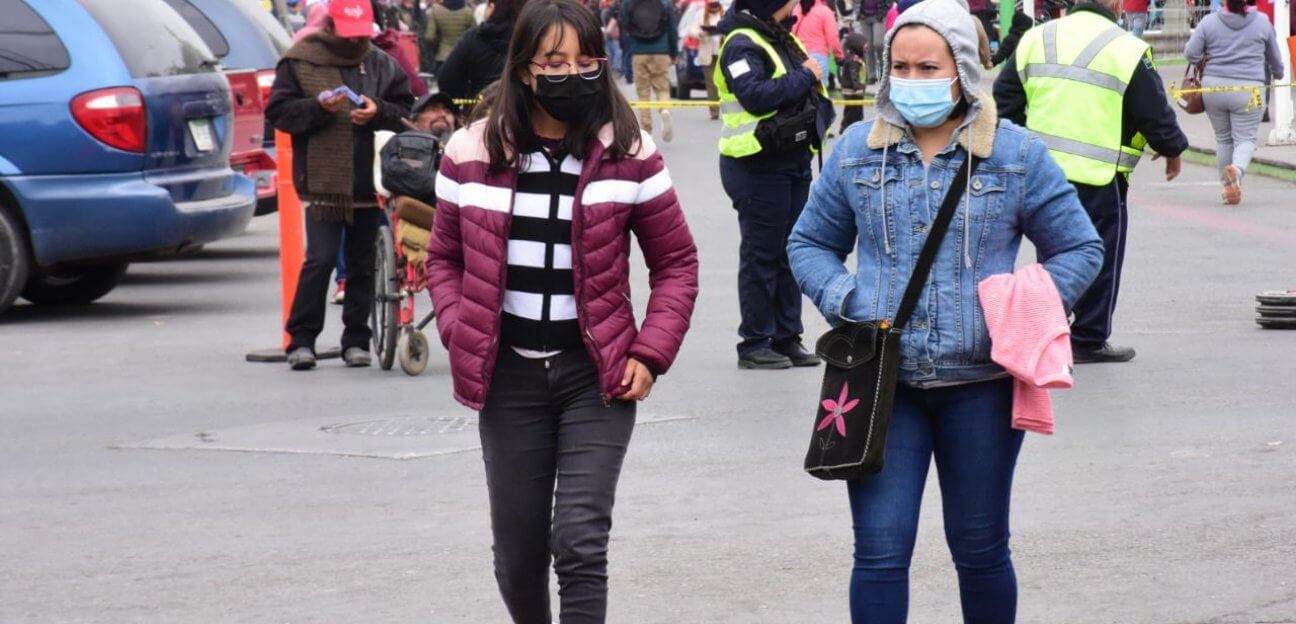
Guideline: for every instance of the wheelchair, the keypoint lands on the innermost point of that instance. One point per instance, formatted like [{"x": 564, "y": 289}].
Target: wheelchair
[{"x": 400, "y": 275}]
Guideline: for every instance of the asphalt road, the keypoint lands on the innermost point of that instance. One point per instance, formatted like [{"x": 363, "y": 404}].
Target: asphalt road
[{"x": 1166, "y": 496}]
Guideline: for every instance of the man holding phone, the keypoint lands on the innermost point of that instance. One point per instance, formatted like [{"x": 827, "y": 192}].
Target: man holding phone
[{"x": 332, "y": 90}]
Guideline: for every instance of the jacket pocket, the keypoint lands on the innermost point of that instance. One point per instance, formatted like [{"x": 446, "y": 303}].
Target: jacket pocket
[
  {"x": 877, "y": 198},
  {"x": 987, "y": 190}
]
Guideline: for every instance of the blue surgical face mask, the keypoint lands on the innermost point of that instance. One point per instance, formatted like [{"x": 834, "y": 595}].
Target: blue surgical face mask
[{"x": 923, "y": 103}]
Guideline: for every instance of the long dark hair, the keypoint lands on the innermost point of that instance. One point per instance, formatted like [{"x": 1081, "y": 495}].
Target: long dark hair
[
  {"x": 787, "y": 41},
  {"x": 509, "y": 132}
]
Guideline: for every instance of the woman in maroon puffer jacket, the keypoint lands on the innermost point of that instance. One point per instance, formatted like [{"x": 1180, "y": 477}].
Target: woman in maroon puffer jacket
[{"x": 529, "y": 268}]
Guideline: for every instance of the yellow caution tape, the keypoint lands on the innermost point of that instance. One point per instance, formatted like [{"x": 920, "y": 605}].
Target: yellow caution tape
[
  {"x": 1256, "y": 100},
  {"x": 1177, "y": 92},
  {"x": 655, "y": 104}
]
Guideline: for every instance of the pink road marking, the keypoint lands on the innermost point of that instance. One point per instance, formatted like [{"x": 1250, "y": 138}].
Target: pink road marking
[{"x": 1224, "y": 223}]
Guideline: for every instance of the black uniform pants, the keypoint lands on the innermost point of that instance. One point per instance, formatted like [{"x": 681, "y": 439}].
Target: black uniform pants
[
  {"x": 768, "y": 200},
  {"x": 306, "y": 320},
  {"x": 553, "y": 451},
  {"x": 1097, "y": 306}
]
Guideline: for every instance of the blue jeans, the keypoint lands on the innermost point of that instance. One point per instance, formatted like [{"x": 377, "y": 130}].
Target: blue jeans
[
  {"x": 341, "y": 261},
  {"x": 614, "y": 55},
  {"x": 822, "y": 60},
  {"x": 1136, "y": 23},
  {"x": 968, "y": 429}
]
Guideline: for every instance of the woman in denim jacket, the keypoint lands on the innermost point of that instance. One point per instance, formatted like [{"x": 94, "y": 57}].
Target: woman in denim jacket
[{"x": 878, "y": 195}]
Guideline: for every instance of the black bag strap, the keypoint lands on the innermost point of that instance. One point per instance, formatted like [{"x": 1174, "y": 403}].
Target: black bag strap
[{"x": 928, "y": 256}]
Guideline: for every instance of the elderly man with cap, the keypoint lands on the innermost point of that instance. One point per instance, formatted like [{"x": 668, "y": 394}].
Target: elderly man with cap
[
  {"x": 437, "y": 114},
  {"x": 332, "y": 90}
]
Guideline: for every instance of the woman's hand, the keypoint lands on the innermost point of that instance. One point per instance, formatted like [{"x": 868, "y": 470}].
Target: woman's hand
[
  {"x": 814, "y": 67},
  {"x": 639, "y": 379}
]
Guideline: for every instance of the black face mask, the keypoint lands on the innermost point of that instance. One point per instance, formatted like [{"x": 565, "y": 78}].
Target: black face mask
[{"x": 569, "y": 99}]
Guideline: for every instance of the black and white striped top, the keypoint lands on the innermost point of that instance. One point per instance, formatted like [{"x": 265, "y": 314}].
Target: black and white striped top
[{"x": 539, "y": 306}]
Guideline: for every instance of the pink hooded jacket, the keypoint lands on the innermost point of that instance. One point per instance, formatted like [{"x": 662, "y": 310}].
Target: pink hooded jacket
[
  {"x": 1030, "y": 338},
  {"x": 468, "y": 255},
  {"x": 818, "y": 31}
]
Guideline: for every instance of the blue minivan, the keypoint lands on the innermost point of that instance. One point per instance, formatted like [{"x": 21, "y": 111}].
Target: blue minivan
[
  {"x": 115, "y": 125},
  {"x": 243, "y": 35}
]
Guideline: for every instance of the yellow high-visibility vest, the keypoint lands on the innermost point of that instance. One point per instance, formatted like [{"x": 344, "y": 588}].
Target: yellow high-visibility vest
[
  {"x": 1075, "y": 71},
  {"x": 738, "y": 136}
]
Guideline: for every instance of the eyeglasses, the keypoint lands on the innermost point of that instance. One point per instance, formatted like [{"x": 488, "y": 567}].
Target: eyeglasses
[{"x": 587, "y": 69}]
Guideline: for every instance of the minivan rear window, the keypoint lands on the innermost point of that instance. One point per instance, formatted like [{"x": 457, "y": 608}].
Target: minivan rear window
[
  {"x": 275, "y": 32},
  {"x": 28, "y": 46},
  {"x": 203, "y": 26},
  {"x": 152, "y": 39}
]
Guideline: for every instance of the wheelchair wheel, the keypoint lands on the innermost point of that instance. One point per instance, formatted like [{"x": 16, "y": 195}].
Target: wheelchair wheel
[
  {"x": 413, "y": 351},
  {"x": 385, "y": 318}
]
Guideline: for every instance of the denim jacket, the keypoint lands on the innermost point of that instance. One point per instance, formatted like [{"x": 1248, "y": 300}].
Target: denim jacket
[{"x": 875, "y": 197}]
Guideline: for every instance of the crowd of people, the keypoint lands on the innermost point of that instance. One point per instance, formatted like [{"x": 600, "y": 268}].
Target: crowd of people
[{"x": 551, "y": 171}]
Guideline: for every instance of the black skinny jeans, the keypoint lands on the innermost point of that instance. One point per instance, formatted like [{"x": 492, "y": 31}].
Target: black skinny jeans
[
  {"x": 545, "y": 424},
  {"x": 306, "y": 320}
]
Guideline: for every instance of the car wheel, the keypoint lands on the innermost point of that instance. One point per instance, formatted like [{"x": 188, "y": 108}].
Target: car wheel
[
  {"x": 14, "y": 263},
  {"x": 73, "y": 286}
]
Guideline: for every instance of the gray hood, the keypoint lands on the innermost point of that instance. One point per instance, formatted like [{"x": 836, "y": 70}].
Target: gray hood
[
  {"x": 951, "y": 19},
  {"x": 1235, "y": 21}
]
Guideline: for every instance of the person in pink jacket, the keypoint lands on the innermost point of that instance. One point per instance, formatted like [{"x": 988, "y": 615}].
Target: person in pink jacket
[
  {"x": 817, "y": 29},
  {"x": 528, "y": 266}
]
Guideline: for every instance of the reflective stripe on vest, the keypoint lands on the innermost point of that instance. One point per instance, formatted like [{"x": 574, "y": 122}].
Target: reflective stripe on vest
[
  {"x": 1075, "y": 72},
  {"x": 1092, "y": 152},
  {"x": 738, "y": 133}
]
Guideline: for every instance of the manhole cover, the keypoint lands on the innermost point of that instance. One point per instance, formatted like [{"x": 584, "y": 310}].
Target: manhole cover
[
  {"x": 394, "y": 437},
  {"x": 405, "y": 426}
]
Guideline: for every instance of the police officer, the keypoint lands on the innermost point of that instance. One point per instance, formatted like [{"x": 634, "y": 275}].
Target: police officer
[
  {"x": 774, "y": 111},
  {"x": 1094, "y": 97}
]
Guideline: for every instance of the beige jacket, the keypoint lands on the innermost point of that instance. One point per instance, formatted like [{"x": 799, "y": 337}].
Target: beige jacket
[{"x": 444, "y": 28}]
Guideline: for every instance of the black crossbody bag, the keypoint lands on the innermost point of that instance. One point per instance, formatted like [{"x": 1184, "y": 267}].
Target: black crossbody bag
[{"x": 862, "y": 360}]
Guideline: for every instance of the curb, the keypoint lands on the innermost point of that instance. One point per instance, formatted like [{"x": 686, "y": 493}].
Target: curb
[{"x": 1267, "y": 167}]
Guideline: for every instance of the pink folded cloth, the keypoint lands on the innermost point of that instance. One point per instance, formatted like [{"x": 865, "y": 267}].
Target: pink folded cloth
[{"x": 1030, "y": 338}]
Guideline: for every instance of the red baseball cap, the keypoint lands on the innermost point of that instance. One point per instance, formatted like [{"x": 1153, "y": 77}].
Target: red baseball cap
[{"x": 351, "y": 18}]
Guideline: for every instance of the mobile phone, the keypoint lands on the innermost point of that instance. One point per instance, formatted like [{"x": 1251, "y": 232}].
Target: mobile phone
[{"x": 351, "y": 95}]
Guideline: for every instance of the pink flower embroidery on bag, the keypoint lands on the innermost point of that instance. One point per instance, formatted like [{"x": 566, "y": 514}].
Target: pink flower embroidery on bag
[{"x": 836, "y": 409}]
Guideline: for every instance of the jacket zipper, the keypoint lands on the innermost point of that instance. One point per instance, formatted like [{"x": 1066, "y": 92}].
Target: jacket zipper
[
  {"x": 599, "y": 363},
  {"x": 578, "y": 259},
  {"x": 488, "y": 368}
]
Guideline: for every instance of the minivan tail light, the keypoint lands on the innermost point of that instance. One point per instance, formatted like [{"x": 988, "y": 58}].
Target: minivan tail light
[
  {"x": 265, "y": 80},
  {"x": 114, "y": 116}
]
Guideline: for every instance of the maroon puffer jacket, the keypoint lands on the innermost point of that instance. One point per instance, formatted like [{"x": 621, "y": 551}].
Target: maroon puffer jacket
[{"x": 468, "y": 254}]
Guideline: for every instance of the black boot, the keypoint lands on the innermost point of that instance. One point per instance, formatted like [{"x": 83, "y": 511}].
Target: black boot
[
  {"x": 301, "y": 358},
  {"x": 796, "y": 352},
  {"x": 764, "y": 359},
  {"x": 1107, "y": 353}
]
